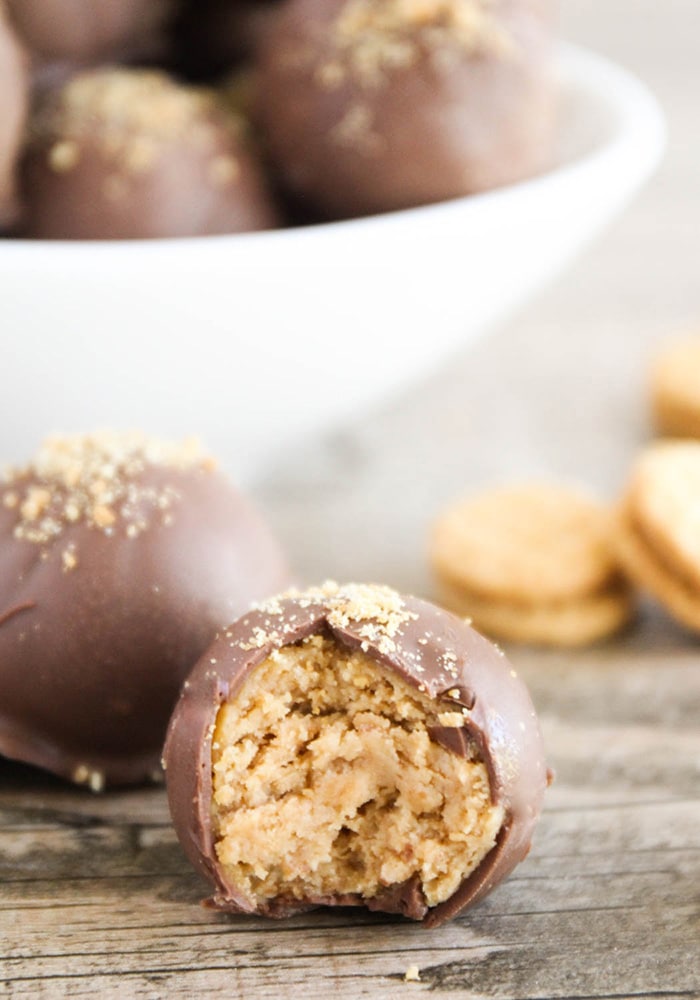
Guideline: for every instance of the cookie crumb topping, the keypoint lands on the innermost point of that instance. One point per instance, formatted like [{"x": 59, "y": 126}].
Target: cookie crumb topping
[
  {"x": 380, "y": 610},
  {"x": 132, "y": 116},
  {"x": 94, "y": 480},
  {"x": 375, "y": 37}
]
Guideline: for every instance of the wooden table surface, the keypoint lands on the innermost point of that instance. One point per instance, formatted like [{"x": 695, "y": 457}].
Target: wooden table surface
[{"x": 95, "y": 896}]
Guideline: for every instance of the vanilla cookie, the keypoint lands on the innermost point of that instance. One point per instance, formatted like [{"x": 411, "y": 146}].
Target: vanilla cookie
[
  {"x": 675, "y": 388},
  {"x": 532, "y": 564},
  {"x": 658, "y": 540}
]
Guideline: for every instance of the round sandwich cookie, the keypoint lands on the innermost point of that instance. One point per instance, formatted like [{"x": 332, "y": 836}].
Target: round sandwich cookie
[
  {"x": 532, "y": 563},
  {"x": 658, "y": 536},
  {"x": 675, "y": 388},
  {"x": 348, "y": 746}
]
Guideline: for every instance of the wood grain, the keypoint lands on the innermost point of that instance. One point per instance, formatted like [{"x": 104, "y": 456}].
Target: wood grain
[{"x": 96, "y": 896}]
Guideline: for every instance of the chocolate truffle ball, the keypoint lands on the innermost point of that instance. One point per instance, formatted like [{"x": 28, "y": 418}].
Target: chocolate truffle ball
[
  {"x": 90, "y": 31},
  {"x": 120, "y": 557},
  {"x": 350, "y": 746},
  {"x": 373, "y": 105},
  {"x": 13, "y": 110},
  {"x": 119, "y": 153}
]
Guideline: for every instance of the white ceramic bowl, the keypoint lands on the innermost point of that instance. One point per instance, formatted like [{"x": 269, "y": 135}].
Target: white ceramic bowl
[{"x": 251, "y": 341}]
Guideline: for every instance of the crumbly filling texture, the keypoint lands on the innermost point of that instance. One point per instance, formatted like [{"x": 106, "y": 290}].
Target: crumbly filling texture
[{"x": 326, "y": 781}]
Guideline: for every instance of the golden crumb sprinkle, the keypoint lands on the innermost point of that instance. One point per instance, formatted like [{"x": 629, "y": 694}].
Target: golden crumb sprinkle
[
  {"x": 355, "y": 130},
  {"x": 94, "y": 479},
  {"x": 375, "y": 37},
  {"x": 69, "y": 559},
  {"x": 132, "y": 116},
  {"x": 380, "y": 610},
  {"x": 145, "y": 102},
  {"x": 63, "y": 156}
]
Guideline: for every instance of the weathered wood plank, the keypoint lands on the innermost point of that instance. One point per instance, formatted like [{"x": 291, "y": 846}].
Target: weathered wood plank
[{"x": 96, "y": 896}]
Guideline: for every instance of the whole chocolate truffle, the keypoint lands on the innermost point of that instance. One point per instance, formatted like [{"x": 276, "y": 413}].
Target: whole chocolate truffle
[
  {"x": 13, "y": 110},
  {"x": 91, "y": 31},
  {"x": 349, "y": 746},
  {"x": 372, "y": 105},
  {"x": 120, "y": 557},
  {"x": 119, "y": 153}
]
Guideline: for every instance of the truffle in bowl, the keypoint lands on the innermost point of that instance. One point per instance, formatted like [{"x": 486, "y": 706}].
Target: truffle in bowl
[
  {"x": 257, "y": 339},
  {"x": 367, "y": 107},
  {"x": 126, "y": 153}
]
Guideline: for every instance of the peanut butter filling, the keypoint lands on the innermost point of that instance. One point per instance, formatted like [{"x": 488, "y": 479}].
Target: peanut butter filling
[{"x": 326, "y": 781}]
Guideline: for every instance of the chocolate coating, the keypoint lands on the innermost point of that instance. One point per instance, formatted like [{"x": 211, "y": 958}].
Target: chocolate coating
[
  {"x": 433, "y": 651},
  {"x": 373, "y": 105},
  {"x": 121, "y": 153},
  {"x": 13, "y": 111},
  {"x": 91, "y": 31},
  {"x": 104, "y": 607}
]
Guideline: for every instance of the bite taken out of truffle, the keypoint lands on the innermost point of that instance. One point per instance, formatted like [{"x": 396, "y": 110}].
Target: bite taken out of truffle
[
  {"x": 372, "y": 105},
  {"x": 14, "y": 90},
  {"x": 120, "y": 558},
  {"x": 123, "y": 153},
  {"x": 347, "y": 746},
  {"x": 92, "y": 31}
]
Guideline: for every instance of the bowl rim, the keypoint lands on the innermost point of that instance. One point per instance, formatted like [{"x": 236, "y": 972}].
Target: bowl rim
[{"x": 637, "y": 140}]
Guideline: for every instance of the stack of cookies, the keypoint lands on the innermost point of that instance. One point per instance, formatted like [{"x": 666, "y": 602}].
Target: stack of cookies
[
  {"x": 532, "y": 564},
  {"x": 675, "y": 389},
  {"x": 547, "y": 565}
]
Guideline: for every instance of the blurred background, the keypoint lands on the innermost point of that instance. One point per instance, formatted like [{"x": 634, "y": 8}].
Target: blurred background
[{"x": 558, "y": 391}]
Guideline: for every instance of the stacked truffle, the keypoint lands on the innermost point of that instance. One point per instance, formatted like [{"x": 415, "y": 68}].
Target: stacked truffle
[{"x": 155, "y": 146}]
